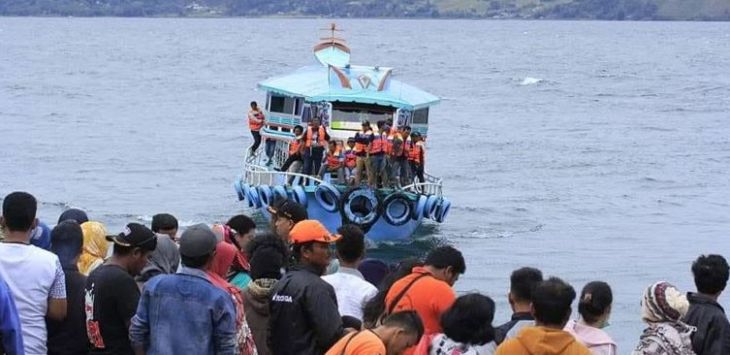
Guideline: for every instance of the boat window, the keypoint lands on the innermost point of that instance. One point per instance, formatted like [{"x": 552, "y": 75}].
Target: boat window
[
  {"x": 297, "y": 107},
  {"x": 350, "y": 117},
  {"x": 306, "y": 114},
  {"x": 420, "y": 116},
  {"x": 282, "y": 104}
]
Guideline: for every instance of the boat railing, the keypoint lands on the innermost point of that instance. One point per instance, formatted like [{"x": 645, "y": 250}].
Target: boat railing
[{"x": 258, "y": 172}]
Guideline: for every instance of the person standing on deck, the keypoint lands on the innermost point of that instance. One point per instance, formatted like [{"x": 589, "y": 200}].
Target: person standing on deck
[
  {"x": 350, "y": 161},
  {"x": 417, "y": 157},
  {"x": 405, "y": 167},
  {"x": 315, "y": 142},
  {"x": 362, "y": 147},
  {"x": 377, "y": 174},
  {"x": 255, "y": 123}
]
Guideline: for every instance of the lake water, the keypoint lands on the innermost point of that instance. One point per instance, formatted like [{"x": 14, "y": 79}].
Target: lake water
[{"x": 592, "y": 150}]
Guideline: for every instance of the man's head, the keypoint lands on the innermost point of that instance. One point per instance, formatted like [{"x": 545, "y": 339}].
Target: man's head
[
  {"x": 469, "y": 320},
  {"x": 197, "y": 247},
  {"x": 711, "y": 274},
  {"x": 400, "y": 331},
  {"x": 254, "y": 105},
  {"x": 365, "y": 125},
  {"x": 415, "y": 136},
  {"x": 311, "y": 244},
  {"x": 351, "y": 142},
  {"x": 19, "y": 209},
  {"x": 332, "y": 145},
  {"x": 406, "y": 131},
  {"x": 243, "y": 229},
  {"x": 67, "y": 241},
  {"x": 298, "y": 130},
  {"x": 351, "y": 247},
  {"x": 551, "y": 300},
  {"x": 447, "y": 264},
  {"x": 288, "y": 214},
  {"x": 522, "y": 283},
  {"x": 133, "y": 246},
  {"x": 165, "y": 223},
  {"x": 316, "y": 122}
]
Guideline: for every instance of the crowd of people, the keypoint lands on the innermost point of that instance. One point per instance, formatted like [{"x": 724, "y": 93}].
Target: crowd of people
[
  {"x": 387, "y": 156},
  {"x": 299, "y": 289}
]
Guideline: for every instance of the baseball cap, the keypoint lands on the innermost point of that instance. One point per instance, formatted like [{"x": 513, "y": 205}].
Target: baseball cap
[
  {"x": 310, "y": 230},
  {"x": 135, "y": 235},
  {"x": 197, "y": 240},
  {"x": 292, "y": 210}
]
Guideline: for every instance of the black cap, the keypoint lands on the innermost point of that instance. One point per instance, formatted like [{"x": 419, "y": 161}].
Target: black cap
[
  {"x": 135, "y": 235},
  {"x": 292, "y": 210},
  {"x": 197, "y": 240}
]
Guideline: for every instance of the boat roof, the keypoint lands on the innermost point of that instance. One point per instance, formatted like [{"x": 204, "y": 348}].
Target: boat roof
[{"x": 335, "y": 79}]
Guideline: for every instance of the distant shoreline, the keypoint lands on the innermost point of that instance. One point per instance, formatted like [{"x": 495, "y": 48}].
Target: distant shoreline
[{"x": 302, "y": 17}]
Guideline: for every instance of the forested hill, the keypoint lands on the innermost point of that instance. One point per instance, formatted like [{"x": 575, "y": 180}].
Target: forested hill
[{"x": 500, "y": 9}]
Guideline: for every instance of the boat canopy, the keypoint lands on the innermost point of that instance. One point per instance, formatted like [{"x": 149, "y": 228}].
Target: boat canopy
[{"x": 336, "y": 80}]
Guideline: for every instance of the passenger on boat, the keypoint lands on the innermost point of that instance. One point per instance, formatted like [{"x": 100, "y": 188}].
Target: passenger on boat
[
  {"x": 405, "y": 171},
  {"x": 255, "y": 123},
  {"x": 315, "y": 142},
  {"x": 362, "y": 146},
  {"x": 416, "y": 156},
  {"x": 295, "y": 152},
  {"x": 396, "y": 160},
  {"x": 334, "y": 163},
  {"x": 350, "y": 161},
  {"x": 377, "y": 174}
]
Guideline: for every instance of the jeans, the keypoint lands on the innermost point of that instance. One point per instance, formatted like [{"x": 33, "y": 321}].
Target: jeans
[
  {"x": 290, "y": 160},
  {"x": 270, "y": 149},
  {"x": 377, "y": 170},
  {"x": 312, "y": 160},
  {"x": 256, "y": 141}
]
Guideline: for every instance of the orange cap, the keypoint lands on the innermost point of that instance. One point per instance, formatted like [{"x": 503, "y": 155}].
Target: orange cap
[{"x": 310, "y": 230}]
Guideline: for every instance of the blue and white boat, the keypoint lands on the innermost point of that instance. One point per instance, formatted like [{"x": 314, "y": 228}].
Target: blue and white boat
[{"x": 342, "y": 95}]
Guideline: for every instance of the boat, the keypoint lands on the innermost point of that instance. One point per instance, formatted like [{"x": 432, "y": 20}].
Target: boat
[{"x": 341, "y": 95}]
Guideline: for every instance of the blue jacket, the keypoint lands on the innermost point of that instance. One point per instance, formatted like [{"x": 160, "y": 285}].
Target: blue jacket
[
  {"x": 10, "y": 334},
  {"x": 184, "y": 314}
]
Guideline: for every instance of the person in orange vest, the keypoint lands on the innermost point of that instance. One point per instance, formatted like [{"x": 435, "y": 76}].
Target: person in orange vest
[
  {"x": 255, "y": 123},
  {"x": 395, "y": 160},
  {"x": 334, "y": 162},
  {"x": 362, "y": 147},
  {"x": 315, "y": 141},
  {"x": 405, "y": 168},
  {"x": 377, "y": 157},
  {"x": 350, "y": 160},
  {"x": 416, "y": 156},
  {"x": 295, "y": 147}
]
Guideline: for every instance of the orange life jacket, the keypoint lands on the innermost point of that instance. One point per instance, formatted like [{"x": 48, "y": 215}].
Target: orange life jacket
[
  {"x": 414, "y": 154},
  {"x": 359, "y": 146},
  {"x": 333, "y": 159},
  {"x": 350, "y": 158},
  {"x": 256, "y": 126},
  {"x": 393, "y": 135},
  {"x": 320, "y": 136},
  {"x": 294, "y": 146},
  {"x": 378, "y": 145}
]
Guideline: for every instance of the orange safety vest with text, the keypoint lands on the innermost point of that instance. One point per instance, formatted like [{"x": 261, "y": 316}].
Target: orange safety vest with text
[
  {"x": 294, "y": 146},
  {"x": 378, "y": 145},
  {"x": 415, "y": 152},
  {"x": 320, "y": 136},
  {"x": 255, "y": 126}
]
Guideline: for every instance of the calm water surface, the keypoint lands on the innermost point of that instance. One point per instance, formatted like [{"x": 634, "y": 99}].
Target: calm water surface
[{"x": 592, "y": 150}]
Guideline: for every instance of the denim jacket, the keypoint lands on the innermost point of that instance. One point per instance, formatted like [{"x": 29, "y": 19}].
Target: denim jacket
[{"x": 184, "y": 314}]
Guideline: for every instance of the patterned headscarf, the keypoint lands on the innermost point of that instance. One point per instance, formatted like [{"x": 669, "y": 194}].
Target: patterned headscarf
[
  {"x": 662, "y": 302},
  {"x": 95, "y": 247}
]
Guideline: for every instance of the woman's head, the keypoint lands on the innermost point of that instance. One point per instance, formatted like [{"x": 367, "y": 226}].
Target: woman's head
[
  {"x": 662, "y": 302},
  {"x": 469, "y": 320},
  {"x": 594, "y": 304}
]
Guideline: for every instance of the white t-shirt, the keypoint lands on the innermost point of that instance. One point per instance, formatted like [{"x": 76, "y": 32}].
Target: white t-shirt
[
  {"x": 352, "y": 291},
  {"x": 33, "y": 276},
  {"x": 441, "y": 344}
]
